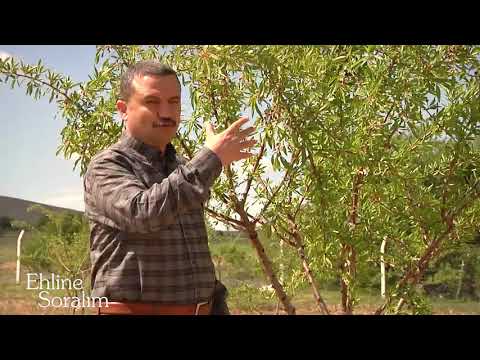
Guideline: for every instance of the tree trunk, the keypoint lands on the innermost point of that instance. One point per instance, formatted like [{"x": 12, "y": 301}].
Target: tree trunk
[
  {"x": 348, "y": 272},
  {"x": 268, "y": 270},
  {"x": 298, "y": 243},
  {"x": 348, "y": 255},
  {"x": 320, "y": 302},
  {"x": 281, "y": 274}
]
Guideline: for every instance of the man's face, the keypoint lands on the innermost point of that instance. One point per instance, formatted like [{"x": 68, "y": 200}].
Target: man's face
[{"x": 152, "y": 112}]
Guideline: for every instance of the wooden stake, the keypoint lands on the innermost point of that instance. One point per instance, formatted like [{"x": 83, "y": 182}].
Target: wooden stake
[
  {"x": 382, "y": 268},
  {"x": 19, "y": 245}
]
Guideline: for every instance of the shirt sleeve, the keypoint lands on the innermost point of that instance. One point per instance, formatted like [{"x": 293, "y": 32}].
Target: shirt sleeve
[{"x": 115, "y": 196}]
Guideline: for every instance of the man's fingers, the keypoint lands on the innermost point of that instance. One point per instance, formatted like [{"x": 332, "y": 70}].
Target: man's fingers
[
  {"x": 247, "y": 144},
  {"x": 209, "y": 129},
  {"x": 244, "y": 133},
  {"x": 237, "y": 124},
  {"x": 244, "y": 155}
]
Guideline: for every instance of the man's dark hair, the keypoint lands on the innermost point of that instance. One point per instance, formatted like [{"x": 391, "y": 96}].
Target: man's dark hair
[{"x": 142, "y": 68}]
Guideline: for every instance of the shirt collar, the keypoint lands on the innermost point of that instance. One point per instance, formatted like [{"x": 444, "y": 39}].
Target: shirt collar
[{"x": 149, "y": 151}]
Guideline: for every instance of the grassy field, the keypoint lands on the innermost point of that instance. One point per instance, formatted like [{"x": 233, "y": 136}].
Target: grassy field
[{"x": 17, "y": 299}]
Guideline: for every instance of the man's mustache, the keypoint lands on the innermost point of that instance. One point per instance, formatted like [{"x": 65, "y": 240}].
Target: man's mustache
[{"x": 163, "y": 121}]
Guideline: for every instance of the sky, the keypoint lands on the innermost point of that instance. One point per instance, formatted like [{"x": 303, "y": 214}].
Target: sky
[{"x": 30, "y": 132}]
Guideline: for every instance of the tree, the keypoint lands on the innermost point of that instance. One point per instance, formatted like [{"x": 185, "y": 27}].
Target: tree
[
  {"x": 5, "y": 223},
  {"x": 388, "y": 108}
]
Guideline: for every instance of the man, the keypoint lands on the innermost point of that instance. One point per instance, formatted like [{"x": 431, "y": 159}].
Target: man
[{"x": 149, "y": 246}]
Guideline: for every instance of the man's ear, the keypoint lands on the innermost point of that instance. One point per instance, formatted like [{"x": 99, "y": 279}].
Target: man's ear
[{"x": 122, "y": 109}]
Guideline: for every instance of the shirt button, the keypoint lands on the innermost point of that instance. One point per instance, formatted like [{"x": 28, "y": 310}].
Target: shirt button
[{"x": 190, "y": 176}]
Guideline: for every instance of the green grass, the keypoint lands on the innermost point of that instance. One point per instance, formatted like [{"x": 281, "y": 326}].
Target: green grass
[
  {"x": 8, "y": 245},
  {"x": 450, "y": 306}
]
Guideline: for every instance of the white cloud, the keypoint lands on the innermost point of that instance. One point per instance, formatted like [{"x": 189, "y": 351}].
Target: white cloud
[
  {"x": 4, "y": 55},
  {"x": 67, "y": 198}
]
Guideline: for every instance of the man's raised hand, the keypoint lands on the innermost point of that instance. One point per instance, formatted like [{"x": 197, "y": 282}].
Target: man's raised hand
[{"x": 230, "y": 145}]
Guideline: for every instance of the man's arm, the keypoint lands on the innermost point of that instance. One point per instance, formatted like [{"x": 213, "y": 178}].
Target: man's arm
[
  {"x": 119, "y": 199},
  {"x": 115, "y": 197}
]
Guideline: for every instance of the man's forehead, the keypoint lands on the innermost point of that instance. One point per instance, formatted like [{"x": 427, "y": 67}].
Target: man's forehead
[{"x": 161, "y": 85}]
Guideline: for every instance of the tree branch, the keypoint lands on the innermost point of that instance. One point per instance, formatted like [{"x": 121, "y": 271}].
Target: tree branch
[
  {"x": 357, "y": 183},
  {"x": 415, "y": 272},
  {"x": 250, "y": 178},
  {"x": 227, "y": 220},
  {"x": 65, "y": 95},
  {"x": 272, "y": 196},
  {"x": 301, "y": 201}
]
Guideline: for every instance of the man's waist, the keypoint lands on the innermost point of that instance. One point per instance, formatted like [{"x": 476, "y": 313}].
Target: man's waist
[{"x": 141, "y": 308}]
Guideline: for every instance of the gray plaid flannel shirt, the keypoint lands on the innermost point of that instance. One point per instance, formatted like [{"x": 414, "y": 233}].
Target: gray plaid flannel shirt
[{"x": 148, "y": 240}]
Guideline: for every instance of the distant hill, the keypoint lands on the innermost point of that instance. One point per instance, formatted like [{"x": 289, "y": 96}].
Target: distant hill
[{"x": 16, "y": 209}]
